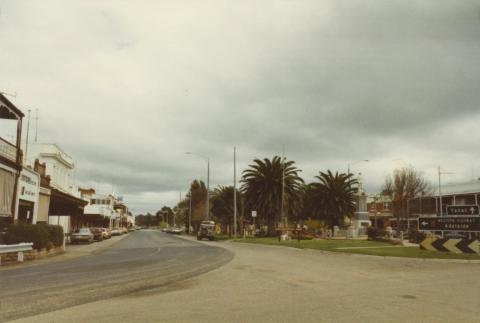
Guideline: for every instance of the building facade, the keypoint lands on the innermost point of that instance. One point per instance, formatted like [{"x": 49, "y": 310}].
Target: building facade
[
  {"x": 10, "y": 159},
  {"x": 65, "y": 205},
  {"x": 28, "y": 195}
]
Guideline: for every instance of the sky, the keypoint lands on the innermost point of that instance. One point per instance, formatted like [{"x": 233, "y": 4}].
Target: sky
[{"x": 127, "y": 87}]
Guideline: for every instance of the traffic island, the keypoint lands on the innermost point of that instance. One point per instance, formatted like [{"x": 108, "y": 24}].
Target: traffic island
[{"x": 363, "y": 247}]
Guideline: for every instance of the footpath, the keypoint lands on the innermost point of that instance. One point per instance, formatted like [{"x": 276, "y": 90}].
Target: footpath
[{"x": 71, "y": 252}]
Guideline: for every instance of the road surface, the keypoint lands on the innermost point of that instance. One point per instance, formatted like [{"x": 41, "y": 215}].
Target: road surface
[
  {"x": 143, "y": 260},
  {"x": 275, "y": 284}
]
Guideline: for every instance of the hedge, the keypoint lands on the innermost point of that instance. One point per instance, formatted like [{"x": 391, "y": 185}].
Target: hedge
[{"x": 42, "y": 235}]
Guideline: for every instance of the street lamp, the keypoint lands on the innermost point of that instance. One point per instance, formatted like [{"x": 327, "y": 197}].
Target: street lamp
[
  {"x": 356, "y": 162},
  {"x": 440, "y": 173},
  {"x": 207, "y": 209}
]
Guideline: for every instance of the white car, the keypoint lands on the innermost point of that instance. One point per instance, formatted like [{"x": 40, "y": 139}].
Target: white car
[{"x": 116, "y": 232}]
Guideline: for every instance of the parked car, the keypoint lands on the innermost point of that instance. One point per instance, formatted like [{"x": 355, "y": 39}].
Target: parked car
[
  {"x": 207, "y": 230},
  {"x": 116, "y": 232},
  {"x": 97, "y": 234},
  {"x": 107, "y": 234},
  {"x": 82, "y": 235},
  {"x": 124, "y": 230},
  {"x": 176, "y": 230}
]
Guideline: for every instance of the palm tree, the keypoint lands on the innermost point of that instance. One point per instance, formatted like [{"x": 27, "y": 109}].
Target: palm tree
[
  {"x": 332, "y": 198},
  {"x": 222, "y": 205},
  {"x": 262, "y": 187}
]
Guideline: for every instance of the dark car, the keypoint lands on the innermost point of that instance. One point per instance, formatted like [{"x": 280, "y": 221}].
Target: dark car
[
  {"x": 97, "y": 234},
  {"x": 82, "y": 235},
  {"x": 207, "y": 230}
]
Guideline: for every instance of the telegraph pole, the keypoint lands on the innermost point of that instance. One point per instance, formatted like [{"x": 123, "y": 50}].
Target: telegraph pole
[
  {"x": 234, "y": 192},
  {"x": 36, "y": 125},
  {"x": 26, "y": 143}
]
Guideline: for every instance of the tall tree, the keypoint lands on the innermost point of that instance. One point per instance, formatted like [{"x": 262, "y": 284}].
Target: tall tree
[
  {"x": 332, "y": 197},
  {"x": 198, "y": 191},
  {"x": 222, "y": 206},
  {"x": 262, "y": 186},
  {"x": 406, "y": 183}
]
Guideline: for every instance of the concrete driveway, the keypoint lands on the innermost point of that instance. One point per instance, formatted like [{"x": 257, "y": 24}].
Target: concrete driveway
[{"x": 275, "y": 284}]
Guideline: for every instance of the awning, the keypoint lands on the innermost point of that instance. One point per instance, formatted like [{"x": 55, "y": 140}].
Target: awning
[{"x": 65, "y": 204}]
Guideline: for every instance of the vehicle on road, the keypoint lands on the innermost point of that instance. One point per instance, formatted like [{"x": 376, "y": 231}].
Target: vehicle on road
[
  {"x": 97, "y": 234},
  {"x": 176, "y": 230},
  {"x": 107, "y": 234},
  {"x": 124, "y": 230},
  {"x": 206, "y": 230},
  {"x": 82, "y": 235},
  {"x": 116, "y": 232}
]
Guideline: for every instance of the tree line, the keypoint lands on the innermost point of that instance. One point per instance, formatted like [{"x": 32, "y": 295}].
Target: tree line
[{"x": 274, "y": 189}]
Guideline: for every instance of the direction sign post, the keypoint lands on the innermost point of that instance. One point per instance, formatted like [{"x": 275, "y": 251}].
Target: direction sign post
[
  {"x": 451, "y": 223},
  {"x": 467, "y": 210}
]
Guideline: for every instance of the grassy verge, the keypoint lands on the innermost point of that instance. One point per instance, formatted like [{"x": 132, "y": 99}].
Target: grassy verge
[{"x": 360, "y": 247}]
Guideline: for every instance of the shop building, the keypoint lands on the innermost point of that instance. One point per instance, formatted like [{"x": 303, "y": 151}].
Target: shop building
[
  {"x": 45, "y": 192},
  {"x": 100, "y": 210},
  {"x": 10, "y": 159},
  {"x": 28, "y": 193},
  {"x": 65, "y": 206}
]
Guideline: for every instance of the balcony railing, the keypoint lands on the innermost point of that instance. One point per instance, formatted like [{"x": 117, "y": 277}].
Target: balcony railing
[{"x": 8, "y": 151}]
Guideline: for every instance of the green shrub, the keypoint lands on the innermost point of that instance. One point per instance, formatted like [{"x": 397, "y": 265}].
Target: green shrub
[
  {"x": 55, "y": 234},
  {"x": 376, "y": 234},
  {"x": 416, "y": 236},
  {"x": 23, "y": 232}
]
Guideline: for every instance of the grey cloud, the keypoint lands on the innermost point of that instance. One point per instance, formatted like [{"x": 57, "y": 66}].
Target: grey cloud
[{"x": 127, "y": 88}]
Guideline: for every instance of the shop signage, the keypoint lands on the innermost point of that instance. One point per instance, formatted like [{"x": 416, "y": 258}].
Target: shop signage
[
  {"x": 29, "y": 186},
  {"x": 449, "y": 223}
]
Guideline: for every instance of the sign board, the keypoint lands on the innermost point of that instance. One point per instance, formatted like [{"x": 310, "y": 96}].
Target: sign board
[
  {"x": 450, "y": 245},
  {"x": 28, "y": 185},
  {"x": 462, "y": 210},
  {"x": 450, "y": 223},
  {"x": 254, "y": 214}
]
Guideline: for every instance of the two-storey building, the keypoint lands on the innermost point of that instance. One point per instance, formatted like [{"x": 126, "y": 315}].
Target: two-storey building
[
  {"x": 10, "y": 158},
  {"x": 66, "y": 206}
]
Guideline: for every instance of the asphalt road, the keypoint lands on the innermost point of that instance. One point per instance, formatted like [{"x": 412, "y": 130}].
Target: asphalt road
[
  {"x": 275, "y": 284},
  {"x": 143, "y": 260}
]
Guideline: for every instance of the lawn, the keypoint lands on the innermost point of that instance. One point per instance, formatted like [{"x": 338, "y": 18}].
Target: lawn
[{"x": 364, "y": 247}]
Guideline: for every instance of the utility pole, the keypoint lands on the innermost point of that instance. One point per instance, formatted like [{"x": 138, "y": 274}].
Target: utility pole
[
  {"x": 208, "y": 189},
  {"x": 440, "y": 191},
  {"x": 440, "y": 173},
  {"x": 36, "y": 125},
  {"x": 26, "y": 143},
  {"x": 190, "y": 211},
  {"x": 284, "y": 222},
  {"x": 234, "y": 192}
]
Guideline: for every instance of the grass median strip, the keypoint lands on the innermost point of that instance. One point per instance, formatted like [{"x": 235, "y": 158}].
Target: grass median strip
[{"x": 364, "y": 247}]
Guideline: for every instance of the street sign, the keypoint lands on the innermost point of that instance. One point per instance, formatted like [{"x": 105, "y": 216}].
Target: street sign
[
  {"x": 449, "y": 223},
  {"x": 450, "y": 245},
  {"x": 462, "y": 210},
  {"x": 254, "y": 214}
]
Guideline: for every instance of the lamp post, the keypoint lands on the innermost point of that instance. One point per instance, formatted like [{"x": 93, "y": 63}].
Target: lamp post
[
  {"x": 235, "y": 192},
  {"x": 440, "y": 173},
  {"x": 190, "y": 211},
  {"x": 356, "y": 162},
  {"x": 207, "y": 209}
]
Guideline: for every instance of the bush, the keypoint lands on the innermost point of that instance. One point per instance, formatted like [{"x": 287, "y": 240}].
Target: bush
[
  {"x": 42, "y": 235},
  {"x": 376, "y": 234},
  {"x": 55, "y": 234},
  {"x": 23, "y": 232},
  {"x": 416, "y": 236}
]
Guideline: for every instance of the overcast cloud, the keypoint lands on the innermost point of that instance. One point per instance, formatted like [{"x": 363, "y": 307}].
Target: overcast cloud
[{"x": 126, "y": 87}]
